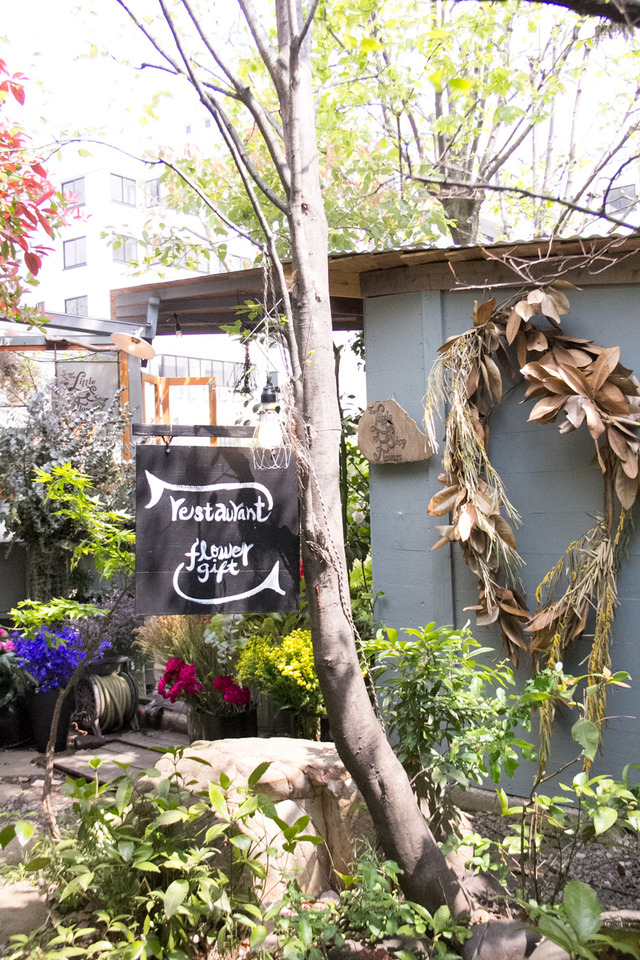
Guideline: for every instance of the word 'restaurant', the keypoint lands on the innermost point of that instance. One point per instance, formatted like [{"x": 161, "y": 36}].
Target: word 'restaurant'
[{"x": 219, "y": 512}]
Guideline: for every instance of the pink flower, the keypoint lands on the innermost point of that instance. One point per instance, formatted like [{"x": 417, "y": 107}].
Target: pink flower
[
  {"x": 241, "y": 696},
  {"x": 179, "y": 680},
  {"x": 7, "y": 646}
]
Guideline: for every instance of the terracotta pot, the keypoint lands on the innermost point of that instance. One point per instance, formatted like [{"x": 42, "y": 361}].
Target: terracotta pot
[{"x": 222, "y": 726}]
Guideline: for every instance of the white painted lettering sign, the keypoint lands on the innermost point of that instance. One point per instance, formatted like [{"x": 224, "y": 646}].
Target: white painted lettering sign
[{"x": 213, "y": 533}]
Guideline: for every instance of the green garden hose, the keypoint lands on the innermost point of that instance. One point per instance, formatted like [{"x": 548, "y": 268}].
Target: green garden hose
[{"x": 105, "y": 702}]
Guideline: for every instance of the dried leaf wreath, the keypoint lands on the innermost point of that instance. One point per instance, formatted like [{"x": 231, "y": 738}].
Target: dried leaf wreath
[{"x": 568, "y": 375}]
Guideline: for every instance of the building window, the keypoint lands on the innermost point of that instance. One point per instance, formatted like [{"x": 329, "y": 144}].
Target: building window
[
  {"x": 73, "y": 190},
  {"x": 125, "y": 250},
  {"x": 187, "y": 129},
  {"x": 153, "y": 193},
  {"x": 123, "y": 190},
  {"x": 74, "y": 253},
  {"x": 620, "y": 199},
  {"x": 77, "y": 307}
]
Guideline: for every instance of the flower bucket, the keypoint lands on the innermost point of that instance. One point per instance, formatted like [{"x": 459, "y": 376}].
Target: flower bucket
[
  {"x": 222, "y": 726},
  {"x": 41, "y": 707},
  {"x": 15, "y": 726}
]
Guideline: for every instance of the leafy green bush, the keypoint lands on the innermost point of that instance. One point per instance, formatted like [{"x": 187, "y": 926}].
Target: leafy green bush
[
  {"x": 447, "y": 712},
  {"x": 159, "y": 872}
]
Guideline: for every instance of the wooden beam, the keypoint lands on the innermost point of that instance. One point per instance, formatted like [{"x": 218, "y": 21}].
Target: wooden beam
[{"x": 488, "y": 274}]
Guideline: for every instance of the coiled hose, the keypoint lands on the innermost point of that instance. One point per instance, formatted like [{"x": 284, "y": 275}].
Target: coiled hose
[{"x": 105, "y": 702}]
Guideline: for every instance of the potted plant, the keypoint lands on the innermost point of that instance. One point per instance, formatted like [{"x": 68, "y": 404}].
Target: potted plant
[
  {"x": 284, "y": 671},
  {"x": 218, "y": 707},
  {"x": 15, "y": 728},
  {"x": 50, "y": 656}
]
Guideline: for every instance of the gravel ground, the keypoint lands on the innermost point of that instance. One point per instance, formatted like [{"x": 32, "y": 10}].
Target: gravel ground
[{"x": 611, "y": 864}]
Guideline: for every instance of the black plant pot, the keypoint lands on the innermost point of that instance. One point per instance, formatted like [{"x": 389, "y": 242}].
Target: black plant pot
[
  {"x": 222, "y": 726},
  {"x": 15, "y": 725},
  {"x": 41, "y": 707}
]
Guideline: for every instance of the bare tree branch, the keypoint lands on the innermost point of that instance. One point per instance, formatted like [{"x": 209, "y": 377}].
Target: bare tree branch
[
  {"x": 261, "y": 40},
  {"x": 625, "y": 12},
  {"x": 499, "y": 188},
  {"x": 257, "y": 110},
  {"x": 311, "y": 13}
]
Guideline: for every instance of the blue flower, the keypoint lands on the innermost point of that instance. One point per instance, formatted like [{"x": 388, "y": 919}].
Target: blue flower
[{"x": 51, "y": 656}]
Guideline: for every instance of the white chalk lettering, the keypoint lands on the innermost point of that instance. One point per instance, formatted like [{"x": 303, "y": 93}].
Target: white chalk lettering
[
  {"x": 259, "y": 512},
  {"x": 215, "y": 559},
  {"x": 271, "y": 582}
]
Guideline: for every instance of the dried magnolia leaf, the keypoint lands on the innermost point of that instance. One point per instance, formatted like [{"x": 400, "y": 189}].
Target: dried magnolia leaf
[
  {"x": 630, "y": 466},
  {"x": 535, "y": 390},
  {"x": 579, "y": 623},
  {"x": 525, "y": 310},
  {"x": 512, "y": 633},
  {"x": 612, "y": 399},
  {"x": 623, "y": 383},
  {"x": 483, "y": 313},
  {"x": 485, "y": 503},
  {"x": 550, "y": 310},
  {"x": 618, "y": 444},
  {"x": 466, "y": 521},
  {"x": 487, "y": 617},
  {"x": 521, "y": 349},
  {"x": 536, "y": 296},
  {"x": 503, "y": 529},
  {"x": 580, "y": 358},
  {"x": 574, "y": 411},
  {"x": 575, "y": 379},
  {"x": 553, "y": 385},
  {"x": 443, "y": 501},
  {"x": 626, "y": 488},
  {"x": 537, "y": 341},
  {"x": 473, "y": 381},
  {"x": 545, "y": 616},
  {"x": 495, "y": 378},
  {"x": 534, "y": 371},
  {"x": 546, "y": 410},
  {"x": 594, "y": 420},
  {"x": 541, "y": 640},
  {"x": 478, "y": 540},
  {"x": 513, "y": 325},
  {"x": 449, "y": 342},
  {"x": 514, "y": 611},
  {"x": 560, "y": 298},
  {"x": 604, "y": 365},
  {"x": 445, "y": 530}
]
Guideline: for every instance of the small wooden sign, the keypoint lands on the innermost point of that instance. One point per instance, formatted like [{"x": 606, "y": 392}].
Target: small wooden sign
[
  {"x": 214, "y": 534},
  {"x": 387, "y": 434}
]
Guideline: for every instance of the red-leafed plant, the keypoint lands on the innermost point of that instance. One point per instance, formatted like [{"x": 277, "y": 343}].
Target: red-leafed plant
[{"x": 28, "y": 206}]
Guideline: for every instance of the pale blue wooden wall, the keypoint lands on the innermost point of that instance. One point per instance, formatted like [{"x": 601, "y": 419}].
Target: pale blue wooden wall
[{"x": 551, "y": 479}]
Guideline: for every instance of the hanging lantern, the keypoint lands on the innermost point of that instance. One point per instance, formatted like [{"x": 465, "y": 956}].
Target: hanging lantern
[{"x": 270, "y": 450}]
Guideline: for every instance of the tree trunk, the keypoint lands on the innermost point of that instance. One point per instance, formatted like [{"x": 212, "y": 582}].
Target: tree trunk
[
  {"x": 466, "y": 213},
  {"x": 360, "y": 740}
]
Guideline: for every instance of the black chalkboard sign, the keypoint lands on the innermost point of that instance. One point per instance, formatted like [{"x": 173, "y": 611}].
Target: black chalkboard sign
[{"x": 214, "y": 534}]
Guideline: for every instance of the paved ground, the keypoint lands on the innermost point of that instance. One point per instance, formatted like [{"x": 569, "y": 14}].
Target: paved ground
[{"x": 22, "y": 909}]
